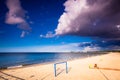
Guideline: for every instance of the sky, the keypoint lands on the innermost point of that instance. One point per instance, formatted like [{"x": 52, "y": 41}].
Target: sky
[{"x": 59, "y": 25}]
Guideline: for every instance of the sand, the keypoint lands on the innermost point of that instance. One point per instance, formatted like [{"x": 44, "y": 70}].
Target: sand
[{"x": 108, "y": 68}]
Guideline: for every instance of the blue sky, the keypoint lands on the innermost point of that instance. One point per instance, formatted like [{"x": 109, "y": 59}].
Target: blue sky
[{"x": 56, "y": 26}]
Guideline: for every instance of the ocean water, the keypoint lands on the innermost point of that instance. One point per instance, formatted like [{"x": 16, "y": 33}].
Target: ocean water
[{"x": 14, "y": 59}]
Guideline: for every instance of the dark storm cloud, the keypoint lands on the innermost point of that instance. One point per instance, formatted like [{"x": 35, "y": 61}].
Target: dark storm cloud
[
  {"x": 102, "y": 45},
  {"x": 94, "y": 18}
]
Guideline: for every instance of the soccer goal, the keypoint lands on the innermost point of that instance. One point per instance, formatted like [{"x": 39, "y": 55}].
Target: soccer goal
[{"x": 66, "y": 67}]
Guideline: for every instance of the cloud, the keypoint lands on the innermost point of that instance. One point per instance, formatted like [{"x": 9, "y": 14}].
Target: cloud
[
  {"x": 53, "y": 48},
  {"x": 48, "y": 35},
  {"x": 100, "y": 45},
  {"x": 23, "y": 33},
  {"x": 71, "y": 47},
  {"x": 93, "y": 18},
  {"x": 16, "y": 15},
  {"x": 89, "y": 48}
]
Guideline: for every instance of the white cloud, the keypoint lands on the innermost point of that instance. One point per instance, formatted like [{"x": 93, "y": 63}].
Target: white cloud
[
  {"x": 22, "y": 34},
  {"x": 48, "y": 35},
  {"x": 16, "y": 15},
  {"x": 14, "y": 20},
  {"x": 118, "y": 26},
  {"x": 92, "y": 18},
  {"x": 65, "y": 47},
  {"x": 73, "y": 8},
  {"x": 89, "y": 48},
  {"x": 55, "y": 48}
]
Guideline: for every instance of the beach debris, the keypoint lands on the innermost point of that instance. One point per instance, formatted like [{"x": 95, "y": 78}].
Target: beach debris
[
  {"x": 95, "y": 65},
  {"x": 92, "y": 66}
]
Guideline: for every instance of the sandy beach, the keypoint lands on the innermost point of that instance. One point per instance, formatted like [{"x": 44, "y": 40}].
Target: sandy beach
[{"x": 108, "y": 68}]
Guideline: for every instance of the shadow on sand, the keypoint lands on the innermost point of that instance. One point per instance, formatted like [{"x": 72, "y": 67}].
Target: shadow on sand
[
  {"x": 100, "y": 68},
  {"x": 62, "y": 70},
  {"x": 103, "y": 68},
  {"x": 8, "y": 75},
  {"x": 109, "y": 69},
  {"x": 106, "y": 69}
]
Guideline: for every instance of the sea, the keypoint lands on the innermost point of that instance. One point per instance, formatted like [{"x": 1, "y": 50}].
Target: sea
[{"x": 16, "y": 59}]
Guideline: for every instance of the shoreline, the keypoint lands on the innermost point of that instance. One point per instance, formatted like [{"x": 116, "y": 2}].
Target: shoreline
[{"x": 47, "y": 63}]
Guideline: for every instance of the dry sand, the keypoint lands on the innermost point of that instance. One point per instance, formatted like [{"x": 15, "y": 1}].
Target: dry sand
[{"x": 108, "y": 69}]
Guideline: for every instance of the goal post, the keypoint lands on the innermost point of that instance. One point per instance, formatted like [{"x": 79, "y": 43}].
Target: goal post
[{"x": 66, "y": 67}]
